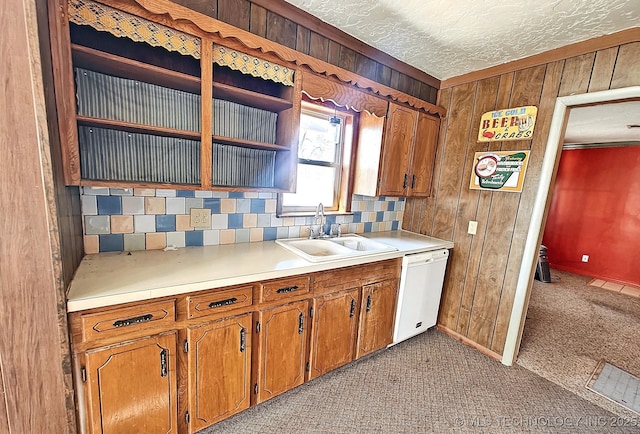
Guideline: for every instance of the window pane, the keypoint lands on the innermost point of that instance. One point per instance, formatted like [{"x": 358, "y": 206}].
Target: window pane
[
  {"x": 318, "y": 138},
  {"x": 315, "y": 185}
]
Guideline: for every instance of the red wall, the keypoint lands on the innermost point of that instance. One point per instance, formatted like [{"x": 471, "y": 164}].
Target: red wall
[{"x": 595, "y": 210}]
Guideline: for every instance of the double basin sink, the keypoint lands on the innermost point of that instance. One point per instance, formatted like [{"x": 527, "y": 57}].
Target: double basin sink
[{"x": 331, "y": 249}]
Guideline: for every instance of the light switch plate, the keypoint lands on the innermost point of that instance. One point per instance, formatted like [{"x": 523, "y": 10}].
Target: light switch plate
[
  {"x": 200, "y": 217},
  {"x": 473, "y": 227}
]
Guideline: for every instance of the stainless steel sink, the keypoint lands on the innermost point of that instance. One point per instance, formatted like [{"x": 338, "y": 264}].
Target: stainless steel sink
[{"x": 331, "y": 249}]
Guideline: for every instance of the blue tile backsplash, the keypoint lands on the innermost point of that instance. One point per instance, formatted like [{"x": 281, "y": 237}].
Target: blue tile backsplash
[{"x": 117, "y": 219}]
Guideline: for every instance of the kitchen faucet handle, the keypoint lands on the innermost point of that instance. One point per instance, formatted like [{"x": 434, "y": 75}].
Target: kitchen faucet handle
[{"x": 314, "y": 231}]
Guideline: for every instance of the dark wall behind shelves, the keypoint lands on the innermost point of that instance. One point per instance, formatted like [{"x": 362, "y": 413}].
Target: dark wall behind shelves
[{"x": 256, "y": 19}]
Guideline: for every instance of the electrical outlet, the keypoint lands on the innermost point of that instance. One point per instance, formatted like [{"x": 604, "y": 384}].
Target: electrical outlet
[
  {"x": 473, "y": 227},
  {"x": 585, "y": 258},
  {"x": 200, "y": 217}
]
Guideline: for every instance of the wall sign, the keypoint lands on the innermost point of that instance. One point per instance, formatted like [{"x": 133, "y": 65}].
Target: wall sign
[
  {"x": 508, "y": 124},
  {"x": 499, "y": 170}
]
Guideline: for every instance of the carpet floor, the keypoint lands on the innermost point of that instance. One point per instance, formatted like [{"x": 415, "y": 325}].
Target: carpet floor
[
  {"x": 428, "y": 384},
  {"x": 571, "y": 326}
]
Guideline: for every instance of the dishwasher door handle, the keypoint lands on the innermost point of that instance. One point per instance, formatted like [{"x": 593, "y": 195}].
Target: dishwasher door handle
[{"x": 420, "y": 262}]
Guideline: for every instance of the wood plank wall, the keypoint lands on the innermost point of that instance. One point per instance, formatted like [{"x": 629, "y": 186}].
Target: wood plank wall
[
  {"x": 32, "y": 354},
  {"x": 483, "y": 270},
  {"x": 66, "y": 224},
  {"x": 256, "y": 19}
]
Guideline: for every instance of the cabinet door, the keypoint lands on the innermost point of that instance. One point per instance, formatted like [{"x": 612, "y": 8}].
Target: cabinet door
[
  {"x": 398, "y": 140},
  {"x": 282, "y": 344},
  {"x": 132, "y": 387},
  {"x": 333, "y": 331},
  {"x": 377, "y": 314},
  {"x": 423, "y": 156},
  {"x": 219, "y": 361}
]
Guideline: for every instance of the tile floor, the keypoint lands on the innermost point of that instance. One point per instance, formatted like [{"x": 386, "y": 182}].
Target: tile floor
[{"x": 616, "y": 287}]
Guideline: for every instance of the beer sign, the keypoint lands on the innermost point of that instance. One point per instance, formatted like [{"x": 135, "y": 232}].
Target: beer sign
[{"x": 508, "y": 124}]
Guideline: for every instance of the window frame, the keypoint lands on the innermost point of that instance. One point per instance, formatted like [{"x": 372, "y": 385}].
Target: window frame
[{"x": 343, "y": 186}]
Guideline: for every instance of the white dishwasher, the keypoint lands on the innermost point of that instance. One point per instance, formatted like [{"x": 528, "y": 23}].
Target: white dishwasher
[{"x": 420, "y": 290}]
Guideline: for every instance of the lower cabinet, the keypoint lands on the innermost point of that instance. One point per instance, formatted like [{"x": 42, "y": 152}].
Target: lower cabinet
[
  {"x": 281, "y": 349},
  {"x": 333, "y": 331},
  {"x": 180, "y": 364},
  {"x": 377, "y": 315},
  {"x": 219, "y": 370},
  {"x": 131, "y": 387}
]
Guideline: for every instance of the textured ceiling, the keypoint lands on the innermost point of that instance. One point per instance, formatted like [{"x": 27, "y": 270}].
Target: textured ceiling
[
  {"x": 604, "y": 123},
  {"x": 450, "y": 38}
]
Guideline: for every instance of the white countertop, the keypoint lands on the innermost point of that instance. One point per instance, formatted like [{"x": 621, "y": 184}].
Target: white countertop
[{"x": 107, "y": 279}]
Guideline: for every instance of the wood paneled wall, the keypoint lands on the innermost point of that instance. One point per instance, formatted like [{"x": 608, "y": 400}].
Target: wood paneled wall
[
  {"x": 483, "y": 270},
  {"x": 33, "y": 356},
  {"x": 66, "y": 224},
  {"x": 256, "y": 19}
]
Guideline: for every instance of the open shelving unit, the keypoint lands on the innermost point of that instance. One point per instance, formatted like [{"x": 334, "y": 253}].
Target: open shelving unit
[{"x": 138, "y": 106}]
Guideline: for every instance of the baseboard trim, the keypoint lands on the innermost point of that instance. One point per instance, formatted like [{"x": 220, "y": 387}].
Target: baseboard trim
[{"x": 465, "y": 340}]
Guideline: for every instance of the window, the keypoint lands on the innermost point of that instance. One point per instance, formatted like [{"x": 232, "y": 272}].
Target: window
[{"x": 324, "y": 152}]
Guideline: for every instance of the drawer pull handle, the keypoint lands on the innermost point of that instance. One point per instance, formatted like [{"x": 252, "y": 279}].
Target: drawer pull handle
[
  {"x": 288, "y": 289},
  {"x": 406, "y": 181},
  {"x": 368, "y": 303},
  {"x": 352, "y": 312},
  {"x": 221, "y": 303},
  {"x": 413, "y": 181},
  {"x": 300, "y": 323},
  {"x": 132, "y": 321}
]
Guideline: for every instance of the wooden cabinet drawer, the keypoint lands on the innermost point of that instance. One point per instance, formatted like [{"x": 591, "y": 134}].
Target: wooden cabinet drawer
[
  {"x": 123, "y": 320},
  {"x": 355, "y": 276},
  {"x": 284, "y": 288},
  {"x": 219, "y": 301}
]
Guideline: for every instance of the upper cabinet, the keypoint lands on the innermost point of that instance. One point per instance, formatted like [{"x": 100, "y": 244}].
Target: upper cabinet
[
  {"x": 152, "y": 94},
  {"x": 396, "y": 154},
  {"x": 147, "y": 104}
]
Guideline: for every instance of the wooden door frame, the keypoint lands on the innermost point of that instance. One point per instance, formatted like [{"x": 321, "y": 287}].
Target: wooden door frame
[{"x": 542, "y": 203}]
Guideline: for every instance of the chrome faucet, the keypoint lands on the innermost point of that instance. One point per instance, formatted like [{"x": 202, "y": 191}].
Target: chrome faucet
[{"x": 320, "y": 215}]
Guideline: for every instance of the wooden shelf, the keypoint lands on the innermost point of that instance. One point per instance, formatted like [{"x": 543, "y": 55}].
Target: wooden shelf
[
  {"x": 248, "y": 144},
  {"x": 250, "y": 98},
  {"x": 137, "y": 128},
  {"x": 135, "y": 184},
  {"x": 111, "y": 64}
]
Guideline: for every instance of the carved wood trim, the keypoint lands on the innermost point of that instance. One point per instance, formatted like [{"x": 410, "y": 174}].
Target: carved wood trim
[
  {"x": 325, "y": 89},
  {"x": 187, "y": 20}
]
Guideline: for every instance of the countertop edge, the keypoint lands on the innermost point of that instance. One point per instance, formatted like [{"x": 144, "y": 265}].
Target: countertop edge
[{"x": 406, "y": 243}]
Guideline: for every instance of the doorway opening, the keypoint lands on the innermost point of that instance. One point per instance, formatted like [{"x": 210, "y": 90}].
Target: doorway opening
[{"x": 541, "y": 205}]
